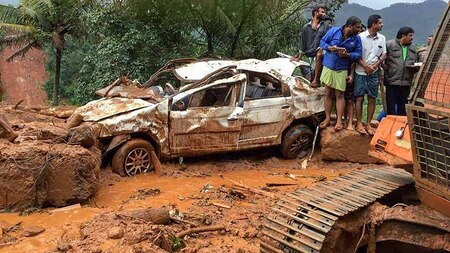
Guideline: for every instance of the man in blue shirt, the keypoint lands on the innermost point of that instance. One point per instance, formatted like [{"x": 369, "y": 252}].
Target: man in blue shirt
[{"x": 343, "y": 46}]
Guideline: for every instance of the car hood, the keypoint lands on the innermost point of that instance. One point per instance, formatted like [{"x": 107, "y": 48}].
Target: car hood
[{"x": 107, "y": 107}]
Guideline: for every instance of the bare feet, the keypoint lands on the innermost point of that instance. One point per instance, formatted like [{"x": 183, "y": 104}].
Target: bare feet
[
  {"x": 338, "y": 127},
  {"x": 370, "y": 130},
  {"x": 314, "y": 84},
  {"x": 324, "y": 124},
  {"x": 350, "y": 127},
  {"x": 361, "y": 130}
]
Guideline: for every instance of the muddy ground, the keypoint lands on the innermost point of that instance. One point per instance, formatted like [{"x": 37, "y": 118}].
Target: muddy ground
[
  {"x": 192, "y": 191},
  {"x": 200, "y": 192}
]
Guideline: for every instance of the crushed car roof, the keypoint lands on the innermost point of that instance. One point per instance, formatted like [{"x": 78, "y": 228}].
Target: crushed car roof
[{"x": 198, "y": 70}]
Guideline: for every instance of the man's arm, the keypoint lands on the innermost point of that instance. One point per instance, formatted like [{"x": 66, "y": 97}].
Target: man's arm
[
  {"x": 325, "y": 41},
  {"x": 351, "y": 74},
  {"x": 383, "y": 64},
  {"x": 367, "y": 68},
  {"x": 357, "y": 54}
]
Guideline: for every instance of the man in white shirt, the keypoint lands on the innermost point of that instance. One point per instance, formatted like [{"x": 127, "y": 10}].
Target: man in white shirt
[{"x": 367, "y": 71}]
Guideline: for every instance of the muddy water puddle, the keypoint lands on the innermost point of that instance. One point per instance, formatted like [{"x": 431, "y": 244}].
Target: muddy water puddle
[{"x": 187, "y": 193}]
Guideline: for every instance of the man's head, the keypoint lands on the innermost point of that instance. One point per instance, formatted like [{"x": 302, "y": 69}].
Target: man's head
[
  {"x": 375, "y": 22},
  {"x": 430, "y": 39},
  {"x": 319, "y": 12},
  {"x": 353, "y": 25},
  {"x": 405, "y": 35}
]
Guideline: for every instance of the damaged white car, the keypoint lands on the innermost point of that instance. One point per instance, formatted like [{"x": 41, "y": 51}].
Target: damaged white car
[{"x": 221, "y": 106}]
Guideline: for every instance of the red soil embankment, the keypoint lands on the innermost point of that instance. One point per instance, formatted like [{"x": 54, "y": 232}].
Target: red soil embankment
[{"x": 23, "y": 77}]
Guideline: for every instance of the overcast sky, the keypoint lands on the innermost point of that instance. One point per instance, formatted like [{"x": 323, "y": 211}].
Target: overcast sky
[
  {"x": 377, "y": 4},
  {"x": 374, "y": 4}
]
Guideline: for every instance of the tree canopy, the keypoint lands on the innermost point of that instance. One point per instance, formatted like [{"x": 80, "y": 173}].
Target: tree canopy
[{"x": 105, "y": 39}]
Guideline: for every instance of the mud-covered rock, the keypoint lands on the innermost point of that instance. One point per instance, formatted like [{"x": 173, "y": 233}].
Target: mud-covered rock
[
  {"x": 44, "y": 131},
  {"x": 115, "y": 233},
  {"x": 345, "y": 146},
  {"x": 37, "y": 174},
  {"x": 83, "y": 136},
  {"x": 154, "y": 215},
  {"x": 32, "y": 231}
]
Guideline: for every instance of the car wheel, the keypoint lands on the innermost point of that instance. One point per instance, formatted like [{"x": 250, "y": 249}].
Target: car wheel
[
  {"x": 133, "y": 158},
  {"x": 296, "y": 142}
]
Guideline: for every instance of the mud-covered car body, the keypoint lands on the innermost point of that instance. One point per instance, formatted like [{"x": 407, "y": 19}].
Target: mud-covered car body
[{"x": 222, "y": 106}]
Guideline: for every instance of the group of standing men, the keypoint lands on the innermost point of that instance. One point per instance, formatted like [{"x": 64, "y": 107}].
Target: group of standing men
[{"x": 347, "y": 61}]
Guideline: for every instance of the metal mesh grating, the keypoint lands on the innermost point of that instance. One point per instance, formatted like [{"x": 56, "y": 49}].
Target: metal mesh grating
[
  {"x": 431, "y": 136},
  {"x": 429, "y": 113},
  {"x": 434, "y": 80}
]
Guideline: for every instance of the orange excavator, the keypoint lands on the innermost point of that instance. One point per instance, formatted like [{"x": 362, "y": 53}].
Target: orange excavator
[{"x": 403, "y": 207}]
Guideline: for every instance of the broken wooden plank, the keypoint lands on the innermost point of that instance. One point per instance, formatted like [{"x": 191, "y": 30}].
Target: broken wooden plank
[
  {"x": 279, "y": 184},
  {"x": 221, "y": 205},
  {"x": 66, "y": 208},
  {"x": 257, "y": 191}
]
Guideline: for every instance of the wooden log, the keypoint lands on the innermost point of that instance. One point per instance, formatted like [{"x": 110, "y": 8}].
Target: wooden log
[{"x": 199, "y": 230}]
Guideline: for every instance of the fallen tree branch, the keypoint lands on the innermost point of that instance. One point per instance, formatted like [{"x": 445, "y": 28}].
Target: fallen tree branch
[
  {"x": 257, "y": 191},
  {"x": 17, "y": 104},
  {"x": 185, "y": 221},
  {"x": 199, "y": 230}
]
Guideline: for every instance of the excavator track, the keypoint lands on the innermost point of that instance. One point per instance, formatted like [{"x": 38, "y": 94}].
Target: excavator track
[{"x": 300, "y": 221}]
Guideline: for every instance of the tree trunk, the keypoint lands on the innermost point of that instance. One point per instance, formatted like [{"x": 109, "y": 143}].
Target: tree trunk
[
  {"x": 210, "y": 44},
  {"x": 55, "y": 95}
]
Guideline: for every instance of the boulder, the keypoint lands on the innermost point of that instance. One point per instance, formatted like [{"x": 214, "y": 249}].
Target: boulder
[
  {"x": 44, "y": 131},
  {"x": 38, "y": 174},
  {"x": 32, "y": 231},
  {"x": 115, "y": 233},
  {"x": 158, "y": 216},
  {"x": 345, "y": 146}
]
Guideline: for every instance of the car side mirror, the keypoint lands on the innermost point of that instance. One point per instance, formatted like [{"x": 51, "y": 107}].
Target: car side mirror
[{"x": 235, "y": 114}]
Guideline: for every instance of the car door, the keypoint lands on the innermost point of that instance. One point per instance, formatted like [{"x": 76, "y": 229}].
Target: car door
[
  {"x": 266, "y": 114},
  {"x": 200, "y": 121}
]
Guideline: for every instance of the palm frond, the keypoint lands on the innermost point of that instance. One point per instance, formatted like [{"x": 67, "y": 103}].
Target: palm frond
[
  {"x": 16, "y": 40},
  {"x": 9, "y": 14},
  {"x": 225, "y": 20},
  {"x": 23, "y": 50},
  {"x": 36, "y": 13},
  {"x": 16, "y": 28}
]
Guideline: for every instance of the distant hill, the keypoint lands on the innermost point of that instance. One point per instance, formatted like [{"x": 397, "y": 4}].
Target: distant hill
[
  {"x": 13, "y": 2},
  {"x": 423, "y": 17}
]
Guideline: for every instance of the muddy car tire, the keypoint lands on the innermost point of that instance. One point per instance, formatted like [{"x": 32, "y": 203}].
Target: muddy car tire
[
  {"x": 132, "y": 158},
  {"x": 296, "y": 142}
]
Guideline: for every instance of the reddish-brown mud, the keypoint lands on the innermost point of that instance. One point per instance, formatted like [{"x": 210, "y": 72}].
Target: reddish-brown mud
[
  {"x": 23, "y": 77},
  {"x": 192, "y": 188}
]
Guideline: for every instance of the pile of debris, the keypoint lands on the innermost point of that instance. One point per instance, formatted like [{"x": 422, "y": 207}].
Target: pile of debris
[{"x": 39, "y": 167}]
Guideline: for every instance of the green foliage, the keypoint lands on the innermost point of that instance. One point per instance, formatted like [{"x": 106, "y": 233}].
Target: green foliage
[
  {"x": 103, "y": 40},
  {"x": 37, "y": 23},
  {"x": 119, "y": 46},
  {"x": 177, "y": 243}
]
